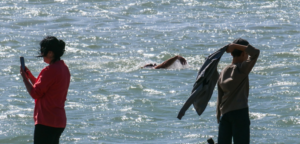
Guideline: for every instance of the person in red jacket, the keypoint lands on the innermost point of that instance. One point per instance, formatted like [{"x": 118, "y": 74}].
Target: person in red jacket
[{"x": 49, "y": 90}]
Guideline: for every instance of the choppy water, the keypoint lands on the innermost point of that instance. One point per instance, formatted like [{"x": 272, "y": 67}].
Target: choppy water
[{"x": 112, "y": 100}]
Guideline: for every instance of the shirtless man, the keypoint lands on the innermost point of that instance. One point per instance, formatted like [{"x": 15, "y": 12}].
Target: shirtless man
[{"x": 166, "y": 63}]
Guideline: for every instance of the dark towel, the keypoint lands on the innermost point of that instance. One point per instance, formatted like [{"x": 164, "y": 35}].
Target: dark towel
[{"x": 205, "y": 83}]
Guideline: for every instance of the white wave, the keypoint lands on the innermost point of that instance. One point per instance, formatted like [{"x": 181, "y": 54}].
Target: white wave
[
  {"x": 258, "y": 116},
  {"x": 177, "y": 65},
  {"x": 286, "y": 83},
  {"x": 191, "y": 136},
  {"x": 153, "y": 92}
]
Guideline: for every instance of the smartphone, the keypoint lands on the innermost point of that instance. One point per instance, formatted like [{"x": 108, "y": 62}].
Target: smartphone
[{"x": 22, "y": 63}]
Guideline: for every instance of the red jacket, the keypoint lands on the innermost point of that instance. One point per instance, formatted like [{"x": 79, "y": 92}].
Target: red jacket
[{"x": 50, "y": 93}]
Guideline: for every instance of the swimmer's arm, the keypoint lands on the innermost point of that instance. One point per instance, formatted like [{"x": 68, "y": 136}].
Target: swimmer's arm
[{"x": 168, "y": 62}]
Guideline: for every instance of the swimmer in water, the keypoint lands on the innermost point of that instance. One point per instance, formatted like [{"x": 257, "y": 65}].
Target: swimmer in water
[{"x": 166, "y": 63}]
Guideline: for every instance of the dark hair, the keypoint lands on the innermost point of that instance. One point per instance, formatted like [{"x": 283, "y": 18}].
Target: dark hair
[
  {"x": 51, "y": 43},
  {"x": 235, "y": 52}
]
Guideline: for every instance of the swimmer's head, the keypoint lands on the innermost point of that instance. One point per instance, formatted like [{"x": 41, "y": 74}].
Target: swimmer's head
[{"x": 149, "y": 65}]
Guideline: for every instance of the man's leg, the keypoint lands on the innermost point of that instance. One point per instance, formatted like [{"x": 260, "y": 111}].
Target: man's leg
[
  {"x": 225, "y": 130},
  {"x": 241, "y": 127}
]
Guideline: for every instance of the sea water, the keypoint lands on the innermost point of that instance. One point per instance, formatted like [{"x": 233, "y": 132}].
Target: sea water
[{"x": 112, "y": 100}]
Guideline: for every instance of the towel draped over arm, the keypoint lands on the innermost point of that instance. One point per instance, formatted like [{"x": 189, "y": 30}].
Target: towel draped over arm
[{"x": 205, "y": 83}]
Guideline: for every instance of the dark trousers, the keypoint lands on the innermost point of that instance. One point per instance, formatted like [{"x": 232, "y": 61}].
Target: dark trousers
[
  {"x": 47, "y": 135},
  {"x": 235, "y": 124}
]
